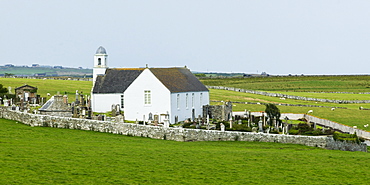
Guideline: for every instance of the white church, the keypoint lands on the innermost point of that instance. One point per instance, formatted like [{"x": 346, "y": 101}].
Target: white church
[{"x": 143, "y": 93}]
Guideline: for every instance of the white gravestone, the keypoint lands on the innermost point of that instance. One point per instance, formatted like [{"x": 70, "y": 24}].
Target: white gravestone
[{"x": 222, "y": 126}]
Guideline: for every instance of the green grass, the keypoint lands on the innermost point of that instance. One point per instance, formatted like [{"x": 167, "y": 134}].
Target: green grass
[
  {"x": 351, "y": 116},
  {"x": 42, "y": 155},
  {"x": 50, "y": 86},
  {"x": 296, "y": 83},
  {"x": 330, "y": 96}
]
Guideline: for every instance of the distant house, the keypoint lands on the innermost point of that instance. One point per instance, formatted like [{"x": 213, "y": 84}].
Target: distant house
[
  {"x": 9, "y": 65},
  {"x": 35, "y": 65},
  {"x": 58, "y": 67},
  {"x": 40, "y": 74},
  {"x": 26, "y": 92},
  {"x": 147, "y": 93}
]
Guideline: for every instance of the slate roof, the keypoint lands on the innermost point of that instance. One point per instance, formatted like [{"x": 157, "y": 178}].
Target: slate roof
[
  {"x": 116, "y": 80},
  {"x": 178, "y": 79},
  {"x": 174, "y": 79}
]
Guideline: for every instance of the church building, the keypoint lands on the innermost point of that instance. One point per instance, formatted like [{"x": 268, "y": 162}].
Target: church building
[{"x": 147, "y": 93}]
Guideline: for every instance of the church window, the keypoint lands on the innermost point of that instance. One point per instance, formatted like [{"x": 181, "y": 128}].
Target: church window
[
  {"x": 187, "y": 98},
  {"x": 99, "y": 61},
  {"x": 192, "y": 100},
  {"x": 147, "y": 97},
  {"x": 178, "y": 101},
  {"x": 201, "y": 99}
]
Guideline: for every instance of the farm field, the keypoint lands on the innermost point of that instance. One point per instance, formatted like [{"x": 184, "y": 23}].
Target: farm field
[{"x": 44, "y": 155}]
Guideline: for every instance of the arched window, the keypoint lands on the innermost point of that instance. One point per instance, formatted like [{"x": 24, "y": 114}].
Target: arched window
[{"x": 99, "y": 61}]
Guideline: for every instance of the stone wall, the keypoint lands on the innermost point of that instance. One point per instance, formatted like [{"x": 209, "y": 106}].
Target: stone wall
[
  {"x": 318, "y": 121},
  {"x": 219, "y": 112},
  {"x": 157, "y": 132},
  {"x": 288, "y": 96}
]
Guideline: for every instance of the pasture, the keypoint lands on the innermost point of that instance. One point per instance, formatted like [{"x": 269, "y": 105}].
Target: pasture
[{"x": 44, "y": 155}]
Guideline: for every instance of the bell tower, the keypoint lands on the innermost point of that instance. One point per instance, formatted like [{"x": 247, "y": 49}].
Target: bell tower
[{"x": 100, "y": 63}]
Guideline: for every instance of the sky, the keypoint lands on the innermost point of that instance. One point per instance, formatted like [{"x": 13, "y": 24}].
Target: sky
[{"x": 250, "y": 36}]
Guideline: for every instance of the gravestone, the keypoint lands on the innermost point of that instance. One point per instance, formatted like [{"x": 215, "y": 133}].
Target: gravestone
[
  {"x": 222, "y": 126},
  {"x": 150, "y": 119},
  {"x": 207, "y": 121},
  {"x": 6, "y": 103},
  {"x": 119, "y": 119},
  {"x": 156, "y": 117},
  {"x": 254, "y": 129},
  {"x": 166, "y": 122},
  {"x": 114, "y": 111},
  {"x": 260, "y": 125},
  {"x": 240, "y": 122},
  {"x": 287, "y": 129}
]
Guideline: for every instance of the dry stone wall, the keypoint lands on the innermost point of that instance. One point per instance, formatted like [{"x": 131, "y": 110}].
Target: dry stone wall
[{"x": 157, "y": 132}]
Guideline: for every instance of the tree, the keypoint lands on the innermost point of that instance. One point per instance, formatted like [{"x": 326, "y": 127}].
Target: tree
[
  {"x": 8, "y": 74},
  {"x": 272, "y": 112},
  {"x": 3, "y": 89}
]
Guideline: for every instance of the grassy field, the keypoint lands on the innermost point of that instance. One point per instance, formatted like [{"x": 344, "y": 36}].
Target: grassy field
[
  {"x": 351, "y": 116},
  {"x": 50, "y": 86},
  {"x": 297, "y": 83},
  {"x": 43, "y": 155}
]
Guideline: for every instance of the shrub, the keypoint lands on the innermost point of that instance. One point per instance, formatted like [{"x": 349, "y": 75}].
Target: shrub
[
  {"x": 346, "y": 137},
  {"x": 293, "y": 132}
]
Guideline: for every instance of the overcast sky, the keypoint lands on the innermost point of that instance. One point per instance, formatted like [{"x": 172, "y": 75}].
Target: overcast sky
[{"x": 275, "y": 36}]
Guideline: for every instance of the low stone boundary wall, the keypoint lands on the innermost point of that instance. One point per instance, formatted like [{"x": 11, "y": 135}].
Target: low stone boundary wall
[
  {"x": 337, "y": 126},
  {"x": 157, "y": 132},
  {"x": 319, "y": 121},
  {"x": 286, "y": 104},
  {"x": 288, "y": 96}
]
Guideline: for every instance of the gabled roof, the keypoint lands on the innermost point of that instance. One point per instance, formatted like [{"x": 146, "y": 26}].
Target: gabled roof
[
  {"x": 178, "y": 79},
  {"x": 174, "y": 79},
  {"x": 116, "y": 80},
  {"x": 28, "y": 86}
]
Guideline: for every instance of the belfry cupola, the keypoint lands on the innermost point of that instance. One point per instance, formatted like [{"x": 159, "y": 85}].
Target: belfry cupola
[
  {"x": 100, "y": 62},
  {"x": 101, "y": 57}
]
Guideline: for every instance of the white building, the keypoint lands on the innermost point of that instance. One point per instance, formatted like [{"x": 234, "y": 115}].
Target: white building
[{"x": 144, "y": 93}]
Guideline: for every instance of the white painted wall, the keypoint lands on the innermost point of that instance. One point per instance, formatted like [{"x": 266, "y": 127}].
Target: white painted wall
[
  {"x": 99, "y": 69},
  {"x": 134, "y": 97},
  {"x": 103, "y": 102},
  {"x": 184, "y": 110}
]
